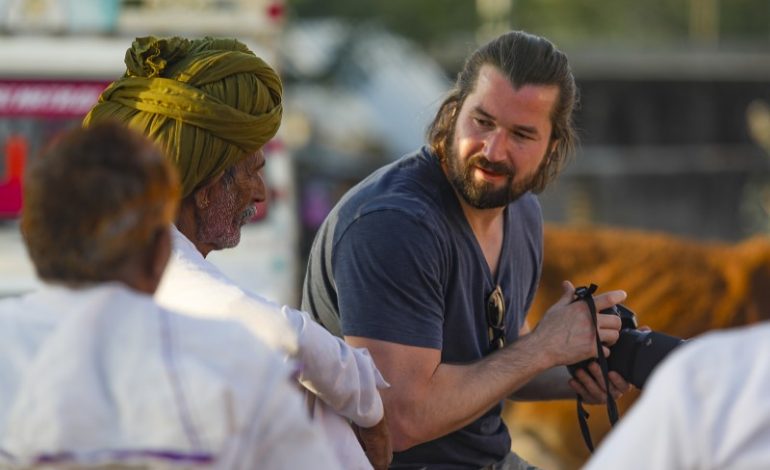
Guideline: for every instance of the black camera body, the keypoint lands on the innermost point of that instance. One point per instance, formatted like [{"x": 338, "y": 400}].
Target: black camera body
[{"x": 636, "y": 353}]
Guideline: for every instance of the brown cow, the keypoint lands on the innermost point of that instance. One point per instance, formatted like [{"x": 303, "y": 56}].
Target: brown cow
[{"x": 675, "y": 285}]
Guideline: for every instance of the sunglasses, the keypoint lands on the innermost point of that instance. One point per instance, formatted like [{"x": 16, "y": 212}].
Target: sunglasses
[{"x": 496, "y": 319}]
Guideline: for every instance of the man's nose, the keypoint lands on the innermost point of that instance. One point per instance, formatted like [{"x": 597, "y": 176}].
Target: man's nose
[
  {"x": 496, "y": 146},
  {"x": 260, "y": 189}
]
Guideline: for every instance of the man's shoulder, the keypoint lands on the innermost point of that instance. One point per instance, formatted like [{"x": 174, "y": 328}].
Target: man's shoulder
[
  {"x": 193, "y": 339},
  {"x": 192, "y": 284},
  {"x": 196, "y": 287},
  {"x": 409, "y": 187},
  {"x": 129, "y": 316},
  {"x": 203, "y": 337}
]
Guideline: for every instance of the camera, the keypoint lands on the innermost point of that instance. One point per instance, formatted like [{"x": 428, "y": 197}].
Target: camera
[{"x": 637, "y": 352}]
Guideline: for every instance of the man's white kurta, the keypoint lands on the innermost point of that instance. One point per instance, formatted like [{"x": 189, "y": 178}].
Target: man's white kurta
[
  {"x": 705, "y": 407},
  {"x": 344, "y": 378},
  {"x": 104, "y": 375}
]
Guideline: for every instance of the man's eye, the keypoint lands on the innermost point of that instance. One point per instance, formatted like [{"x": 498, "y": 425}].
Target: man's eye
[
  {"x": 482, "y": 122},
  {"x": 524, "y": 134}
]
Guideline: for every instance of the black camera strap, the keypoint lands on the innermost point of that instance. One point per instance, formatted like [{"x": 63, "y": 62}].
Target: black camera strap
[{"x": 586, "y": 295}]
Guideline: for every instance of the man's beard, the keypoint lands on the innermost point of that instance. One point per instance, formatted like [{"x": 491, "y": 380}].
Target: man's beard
[
  {"x": 219, "y": 226},
  {"x": 482, "y": 194}
]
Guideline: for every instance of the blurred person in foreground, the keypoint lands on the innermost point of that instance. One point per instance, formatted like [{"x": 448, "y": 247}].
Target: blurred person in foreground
[
  {"x": 432, "y": 263},
  {"x": 211, "y": 105},
  {"x": 704, "y": 407},
  {"x": 93, "y": 372}
]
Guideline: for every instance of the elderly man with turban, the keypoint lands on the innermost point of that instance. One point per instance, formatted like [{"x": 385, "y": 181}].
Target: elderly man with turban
[
  {"x": 211, "y": 105},
  {"x": 93, "y": 372}
]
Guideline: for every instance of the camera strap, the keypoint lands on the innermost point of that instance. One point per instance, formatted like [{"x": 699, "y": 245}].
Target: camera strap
[{"x": 586, "y": 295}]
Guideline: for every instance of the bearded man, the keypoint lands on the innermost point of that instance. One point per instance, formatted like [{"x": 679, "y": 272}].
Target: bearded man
[
  {"x": 432, "y": 263},
  {"x": 211, "y": 105}
]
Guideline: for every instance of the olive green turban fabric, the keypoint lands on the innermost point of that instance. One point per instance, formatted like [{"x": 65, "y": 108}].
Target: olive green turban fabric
[{"x": 207, "y": 102}]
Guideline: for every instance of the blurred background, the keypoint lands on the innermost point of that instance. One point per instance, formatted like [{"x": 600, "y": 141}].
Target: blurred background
[{"x": 668, "y": 197}]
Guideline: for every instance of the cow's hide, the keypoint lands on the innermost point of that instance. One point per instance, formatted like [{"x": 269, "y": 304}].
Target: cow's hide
[{"x": 675, "y": 285}]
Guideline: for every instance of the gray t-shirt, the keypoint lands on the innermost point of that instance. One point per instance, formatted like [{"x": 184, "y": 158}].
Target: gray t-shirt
[{"x": 397, "y": 261}]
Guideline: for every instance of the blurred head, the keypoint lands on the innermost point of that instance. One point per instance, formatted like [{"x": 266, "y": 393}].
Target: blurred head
[
  {"x": 527, "y": 63},
  {"x": 97, "y": 204},
  {"x": 211, "y": 105}
]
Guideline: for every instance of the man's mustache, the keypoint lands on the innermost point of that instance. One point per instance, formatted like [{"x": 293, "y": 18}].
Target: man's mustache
[
  {"x": 248, "y": 213},
  {"x": 492, "y": 167}
]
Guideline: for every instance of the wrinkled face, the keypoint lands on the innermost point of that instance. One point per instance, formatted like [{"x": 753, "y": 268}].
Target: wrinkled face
[
  {"x": 501, "y": 138},
  {"x": 232, "y": 202}
]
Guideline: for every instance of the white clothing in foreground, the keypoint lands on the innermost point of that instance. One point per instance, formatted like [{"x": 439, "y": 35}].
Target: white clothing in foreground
[
  {"x": 343, "y": 377},
  {"x": 104, "y": 375},
  {"x": 194, "y": 286},
  {"x": 705, "y": 407}
]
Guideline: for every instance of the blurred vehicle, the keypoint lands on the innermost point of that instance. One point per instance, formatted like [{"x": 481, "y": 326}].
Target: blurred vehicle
[
  {"x": 358, "y": 96},
  {"x": 48, "y": 83}
]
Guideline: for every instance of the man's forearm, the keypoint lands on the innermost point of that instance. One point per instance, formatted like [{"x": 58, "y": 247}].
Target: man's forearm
[
  {"x": 550, "y": 385},
  {"x": 458, "y": 394}
]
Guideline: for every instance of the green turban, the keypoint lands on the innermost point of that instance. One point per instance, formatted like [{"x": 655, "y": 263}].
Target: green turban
[{"x": 207, "y": 102}]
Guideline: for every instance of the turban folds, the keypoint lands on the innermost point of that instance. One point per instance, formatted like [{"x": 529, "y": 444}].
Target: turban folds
[{"x": 207, "y": 102}]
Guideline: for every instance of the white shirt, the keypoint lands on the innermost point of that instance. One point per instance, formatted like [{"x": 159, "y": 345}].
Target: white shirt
[
  {"x": 103, "y": 375},
  {"x": 344, "y": 378},
  {"x": 707, "y": 406}
]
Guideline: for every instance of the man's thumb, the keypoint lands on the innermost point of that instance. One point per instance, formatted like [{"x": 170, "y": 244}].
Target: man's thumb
[{"x": 568, "y": 294}]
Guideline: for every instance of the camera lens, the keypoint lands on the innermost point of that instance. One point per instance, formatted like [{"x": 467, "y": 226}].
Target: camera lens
[{"x": 636, "y": 354}]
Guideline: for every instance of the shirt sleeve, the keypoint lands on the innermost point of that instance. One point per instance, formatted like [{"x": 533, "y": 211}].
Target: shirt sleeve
[
  {"x": 344, "y": 377},
  {"x": 389, "y": 287}
]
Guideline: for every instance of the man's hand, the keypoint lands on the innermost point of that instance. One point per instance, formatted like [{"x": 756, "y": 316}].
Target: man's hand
[
  {"x": 566, "y": 332},
  {"x": 376, "y": 444},
  {"x": 590, "y": 386}
]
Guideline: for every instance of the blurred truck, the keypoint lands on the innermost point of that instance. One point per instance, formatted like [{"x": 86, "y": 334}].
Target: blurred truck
[{"x": 52, "y": 74}]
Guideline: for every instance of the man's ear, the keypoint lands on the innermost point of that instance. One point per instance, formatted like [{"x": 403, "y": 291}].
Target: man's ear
[{"x": 202, "y": 194}]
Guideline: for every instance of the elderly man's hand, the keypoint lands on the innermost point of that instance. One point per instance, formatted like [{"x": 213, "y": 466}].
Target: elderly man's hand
[{"x": 376, "y": 444}]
